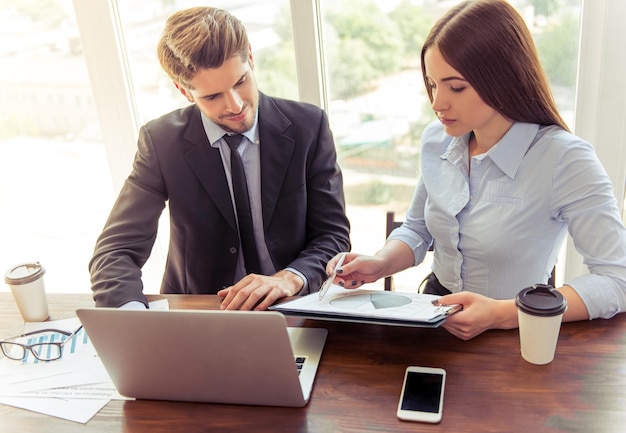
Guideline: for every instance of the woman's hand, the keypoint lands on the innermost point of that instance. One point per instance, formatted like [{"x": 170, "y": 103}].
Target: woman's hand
[
  {"x": 359, "y": 269},
  {"x": 356, "y": 270},
  {"x": 479, "y": 314}
]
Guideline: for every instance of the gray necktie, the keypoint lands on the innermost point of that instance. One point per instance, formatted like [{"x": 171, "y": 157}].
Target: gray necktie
[{"x": 242, "y": 203}]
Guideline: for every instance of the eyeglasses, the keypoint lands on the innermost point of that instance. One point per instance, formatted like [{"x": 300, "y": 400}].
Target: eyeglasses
[{"x": 44, "y": 347}]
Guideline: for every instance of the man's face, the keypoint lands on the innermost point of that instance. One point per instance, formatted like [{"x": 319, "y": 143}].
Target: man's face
[{"x": 227, "y": 95}]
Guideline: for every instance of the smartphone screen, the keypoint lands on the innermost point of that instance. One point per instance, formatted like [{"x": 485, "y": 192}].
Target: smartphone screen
[{"x": 422, "y": 394}]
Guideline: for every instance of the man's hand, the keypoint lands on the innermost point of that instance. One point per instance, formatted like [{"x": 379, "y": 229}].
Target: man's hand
[{"x": 258, "y": 292}]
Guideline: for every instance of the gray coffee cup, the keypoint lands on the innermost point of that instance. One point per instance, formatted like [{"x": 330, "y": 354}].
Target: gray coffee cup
[{"x": 540, "y": 311}]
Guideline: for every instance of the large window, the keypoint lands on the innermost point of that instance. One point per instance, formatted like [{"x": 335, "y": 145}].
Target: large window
[
  {"x": 55, "y": 183},
  {"x": 79, "y": 77}
]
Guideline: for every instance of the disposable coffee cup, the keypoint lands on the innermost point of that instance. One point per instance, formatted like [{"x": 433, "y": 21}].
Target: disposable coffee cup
[
  {"x": 27, "y": 287},
  {"x": 540, "y": 310}
]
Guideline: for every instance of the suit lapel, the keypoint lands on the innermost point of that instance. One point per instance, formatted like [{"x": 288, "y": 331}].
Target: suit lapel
[
  {"x": 205, "y": 161},
  {"x": 276, "y": 152}
]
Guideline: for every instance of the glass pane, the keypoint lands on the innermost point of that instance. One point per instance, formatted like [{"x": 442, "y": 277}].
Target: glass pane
[
  {"x": 268, "y": 24},
  {"x": 378, "y": 106},
  {"x": 55, "y": 185}
]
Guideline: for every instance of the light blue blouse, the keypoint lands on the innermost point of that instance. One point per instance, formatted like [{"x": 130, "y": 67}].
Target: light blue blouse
[{"x": 498, "y": 227}]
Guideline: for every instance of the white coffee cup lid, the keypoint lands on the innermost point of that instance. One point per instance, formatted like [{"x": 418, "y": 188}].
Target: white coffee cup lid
[
  {"x": 541, "y": 300},
  {"x": 24, "y": 273}
]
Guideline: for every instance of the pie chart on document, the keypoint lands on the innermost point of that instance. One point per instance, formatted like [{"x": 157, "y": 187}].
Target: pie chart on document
[{"x": 376, "y": 301}]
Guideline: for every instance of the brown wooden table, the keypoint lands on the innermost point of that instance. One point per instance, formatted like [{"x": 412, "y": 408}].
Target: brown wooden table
[{"x": 490, "y": 388}]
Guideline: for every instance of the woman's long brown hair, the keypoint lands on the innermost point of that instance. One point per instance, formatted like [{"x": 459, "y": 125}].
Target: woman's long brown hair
[{"x": 488, "y": 42}]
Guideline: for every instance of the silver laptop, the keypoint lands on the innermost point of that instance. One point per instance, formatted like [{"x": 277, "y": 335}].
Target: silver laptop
[{"x": 237, "y": 357}]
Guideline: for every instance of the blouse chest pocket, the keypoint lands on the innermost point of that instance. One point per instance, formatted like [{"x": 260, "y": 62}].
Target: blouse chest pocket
[{"x": 502, "y": 193}]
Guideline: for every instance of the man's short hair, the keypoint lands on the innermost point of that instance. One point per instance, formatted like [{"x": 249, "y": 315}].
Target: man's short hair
[{"x": 200, "y": 38}]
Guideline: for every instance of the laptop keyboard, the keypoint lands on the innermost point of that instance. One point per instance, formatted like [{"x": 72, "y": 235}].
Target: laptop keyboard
[{"x": 299, "y": 363}]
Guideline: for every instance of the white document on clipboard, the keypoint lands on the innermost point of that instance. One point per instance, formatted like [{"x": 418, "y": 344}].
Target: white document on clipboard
[{"x": 370, "y": 306}]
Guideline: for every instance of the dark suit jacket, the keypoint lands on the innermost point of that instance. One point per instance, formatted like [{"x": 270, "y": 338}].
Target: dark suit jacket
[{"x": 302, "y": 197}]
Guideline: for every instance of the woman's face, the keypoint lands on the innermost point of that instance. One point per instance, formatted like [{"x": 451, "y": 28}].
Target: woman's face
[{"x": 455, "y": 102}]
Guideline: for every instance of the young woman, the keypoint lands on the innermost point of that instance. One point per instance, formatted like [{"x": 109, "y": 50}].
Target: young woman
[{"x": 502, "y": 183}]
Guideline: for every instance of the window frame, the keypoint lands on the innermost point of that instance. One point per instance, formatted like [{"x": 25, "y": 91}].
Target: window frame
[
  {"x": 600, "y": 104},
  {"x": 107, "y": 63}
]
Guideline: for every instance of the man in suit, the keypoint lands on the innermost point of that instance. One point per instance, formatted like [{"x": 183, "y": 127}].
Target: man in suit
[{"x": 294, "y": 184}]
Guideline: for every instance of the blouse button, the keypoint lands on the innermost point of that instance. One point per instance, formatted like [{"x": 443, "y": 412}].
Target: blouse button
[{"x": 233, "y": 250}]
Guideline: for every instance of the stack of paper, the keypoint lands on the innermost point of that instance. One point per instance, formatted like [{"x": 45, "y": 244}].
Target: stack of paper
[{"x": 74, "y": 387}]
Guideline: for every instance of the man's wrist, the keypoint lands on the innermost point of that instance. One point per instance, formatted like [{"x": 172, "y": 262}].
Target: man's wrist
[
  {"x": 295, "y": 279},
  {"x": 133, "y": 305}
]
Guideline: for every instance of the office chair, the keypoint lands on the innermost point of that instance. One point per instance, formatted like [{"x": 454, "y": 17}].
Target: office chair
[{"x": 392, "y": 224}]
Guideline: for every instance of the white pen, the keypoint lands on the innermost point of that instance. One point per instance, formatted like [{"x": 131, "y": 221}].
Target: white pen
[{"x": 329, "y": 281}]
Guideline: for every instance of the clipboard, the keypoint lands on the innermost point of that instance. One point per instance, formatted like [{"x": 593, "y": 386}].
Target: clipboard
[{"x": 370, "y": 306}]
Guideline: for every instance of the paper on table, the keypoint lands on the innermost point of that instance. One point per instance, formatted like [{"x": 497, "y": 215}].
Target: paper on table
[
  {"x": 25, "y": 384},
  {"x": 77, "y": 410},
  {"x": 75, "y": 387},
  {"x": 96, "y": 391}
]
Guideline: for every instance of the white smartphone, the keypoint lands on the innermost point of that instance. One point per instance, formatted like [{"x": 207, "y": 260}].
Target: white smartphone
[{"x": 421, "y": 398}]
